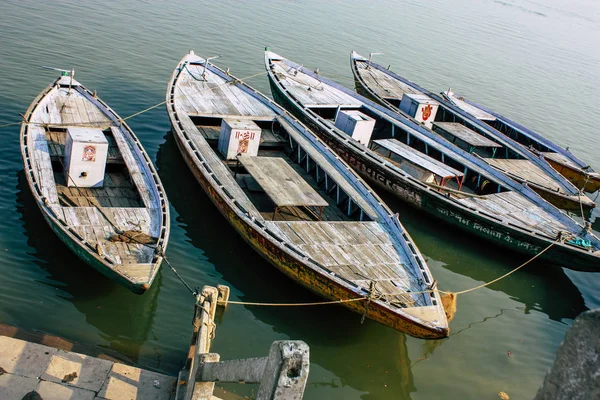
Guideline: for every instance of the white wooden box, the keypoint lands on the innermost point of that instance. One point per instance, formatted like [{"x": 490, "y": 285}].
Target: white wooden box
[
  {"x": 86, "y": 150},
  {"x": 355, "y": 124},
  {"x": 420, "y": 107},
  {"x": 238, "y": 137}
]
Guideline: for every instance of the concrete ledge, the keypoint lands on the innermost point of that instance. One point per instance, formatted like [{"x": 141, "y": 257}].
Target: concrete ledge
[
  {"x": 130, "y": 383},
  {"x": 15, "y": 387},
  {"x": 91, "y": 372},
  {"x": 57, "y": 374},
  {"x": 55, "y": 391},
  {"x": 23, "y": 358}
]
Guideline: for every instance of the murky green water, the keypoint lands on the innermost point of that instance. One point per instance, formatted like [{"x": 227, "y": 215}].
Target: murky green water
[{"x": 536, "y": 61}]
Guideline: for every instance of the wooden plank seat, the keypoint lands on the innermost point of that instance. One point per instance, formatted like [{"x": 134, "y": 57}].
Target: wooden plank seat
[
  {"x": 284, "y": 186},
  {"x": 360, "y": 252},
  {"x": 430, "y": 169},
  {"x": 525, "y": 170},
  {"x": 473, "y": 139}
]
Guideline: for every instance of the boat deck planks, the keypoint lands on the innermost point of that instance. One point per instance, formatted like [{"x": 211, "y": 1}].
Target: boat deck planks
[
  {"x": 64, "y": 107},
  {"x": 281, "y": 182},
  {"x": 408, "y": 153},
  {"x": 217, "y": 97},
  {"x": 310, "y": 92},
  {"x": 465, "y": 134},
  {"x": 383, "y": 84},
  {"x": 470, "y": 109},
  {"x": 360, "y": 258},
  {"x": 526, "y": 170},
  {"x": 512, "y": 208},
  {"x": 560, "y": 158}
]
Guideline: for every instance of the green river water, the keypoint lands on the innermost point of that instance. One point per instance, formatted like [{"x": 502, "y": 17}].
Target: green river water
[{"x": 535, "y": 61}]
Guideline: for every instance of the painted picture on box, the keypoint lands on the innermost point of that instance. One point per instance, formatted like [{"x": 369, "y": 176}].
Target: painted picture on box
[
  {"x": 89, "y": 153},
  {"x": 243, "y": 146}
]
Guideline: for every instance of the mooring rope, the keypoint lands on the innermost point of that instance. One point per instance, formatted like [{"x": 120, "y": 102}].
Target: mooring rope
[
  {"x": 121, "y": 120},
  {"x": 370, "y": 297}
]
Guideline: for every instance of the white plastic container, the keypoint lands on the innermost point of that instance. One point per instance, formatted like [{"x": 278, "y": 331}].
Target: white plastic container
[
  {"x": 420, "y": 107},
  {"x": 355, "y": 124},
  {"x": 86, "y": 150},
  {"x": 238, "y": 137}
]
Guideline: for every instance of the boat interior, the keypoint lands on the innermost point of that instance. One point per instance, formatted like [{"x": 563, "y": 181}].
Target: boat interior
[
  {"x": 326, "y": 223},
  {"x": 320, "y": 198},
  {"x": 117, "y": 190},
  {"x": 415, "y": 157}
]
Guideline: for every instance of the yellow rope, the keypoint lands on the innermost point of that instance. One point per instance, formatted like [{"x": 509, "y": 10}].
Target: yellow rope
[
  {"x": 511, "y": 272},
  {"x": 394, "y": 294},
  {"x": 9, "y": 124},
  {"x": 235, "y": 80},
  {"x": 320, "y": 303}
]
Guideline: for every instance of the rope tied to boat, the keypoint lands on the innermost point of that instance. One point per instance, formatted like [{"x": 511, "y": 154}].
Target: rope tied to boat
[
  {"x": 449, "y": 299},
  {"x": 121, "y": 120}
]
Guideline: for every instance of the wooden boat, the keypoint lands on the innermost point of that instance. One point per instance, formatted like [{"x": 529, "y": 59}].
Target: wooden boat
[
  {"x": 565, "y": 162},
  {"x": 296, "y": 203},
  {"x": 429, "y": 172},
  {"x": 498, "y": 150},
  {"x": 121, "y": 225}
]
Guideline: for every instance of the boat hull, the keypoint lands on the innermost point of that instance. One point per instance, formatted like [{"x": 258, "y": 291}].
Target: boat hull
[
  {"x": 422, "y": 197},
  {"x": 75, "y": 243},
  {"x": 91, "y": 259},
  {"x": 577, "y": 177},
  {"x": 299, "y": 271},
  {"x": 560, "y": 200}
]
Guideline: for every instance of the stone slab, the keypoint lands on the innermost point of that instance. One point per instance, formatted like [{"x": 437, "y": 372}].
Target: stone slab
[
  {"x": 91, "y": 372},
  {"x": 23, "y": 358},
  {"x": 15, "y": 387},
  {"x": 55, "y": 391},
  {"x": 130, "y": 383}
]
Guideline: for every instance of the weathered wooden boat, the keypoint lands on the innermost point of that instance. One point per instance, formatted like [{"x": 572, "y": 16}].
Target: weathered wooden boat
[
  {"x": 296, "y": 203},
  {"x": 565, "y": 162},
  {"x": 95, "y": 184},
  {"x": 428, "y": 172},
  {"x": 498, "y": 150}
]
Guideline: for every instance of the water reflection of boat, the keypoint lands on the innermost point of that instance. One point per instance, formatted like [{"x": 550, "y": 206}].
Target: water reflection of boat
[{"x": 123, "y": 319}]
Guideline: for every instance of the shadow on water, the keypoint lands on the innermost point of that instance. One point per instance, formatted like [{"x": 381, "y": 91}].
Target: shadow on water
[
  {"x": 123, "y": 319},
  {"x": 539, "y": 286},
  {"x": 338, "y": 342}
]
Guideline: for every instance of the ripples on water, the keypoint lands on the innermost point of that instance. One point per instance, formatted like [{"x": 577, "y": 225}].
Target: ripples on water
[{"x": 531, "y": 60}]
